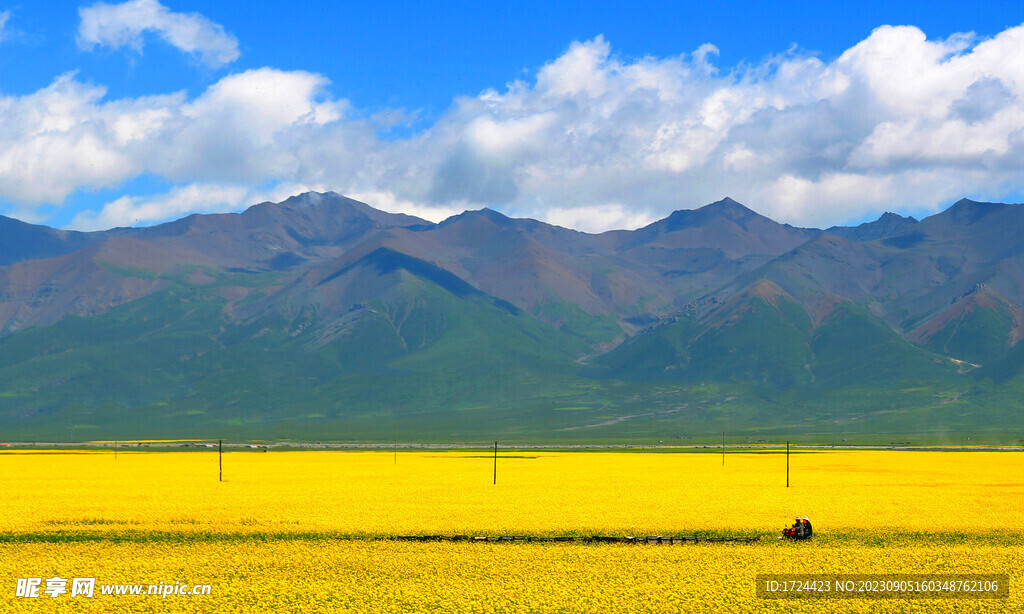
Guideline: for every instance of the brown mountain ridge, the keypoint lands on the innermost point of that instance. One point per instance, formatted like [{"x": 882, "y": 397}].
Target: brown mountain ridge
[{"x": 714, "y": 294}]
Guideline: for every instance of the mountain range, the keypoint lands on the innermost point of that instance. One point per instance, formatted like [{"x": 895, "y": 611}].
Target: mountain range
[{"x": 321, "y": 317}]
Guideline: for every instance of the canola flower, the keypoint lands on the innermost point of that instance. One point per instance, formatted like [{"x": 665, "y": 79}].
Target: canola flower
[
  {"x": 538, "y": 493},
  {"x": 265, "y": 538},
  {"x": 322, "y": 575}
]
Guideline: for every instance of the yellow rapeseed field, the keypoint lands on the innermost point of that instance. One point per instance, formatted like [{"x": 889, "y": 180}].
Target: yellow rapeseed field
[{"x": 268, "y": 537}]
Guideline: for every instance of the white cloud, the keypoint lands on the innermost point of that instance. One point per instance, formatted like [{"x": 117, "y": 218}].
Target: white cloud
[
  {"x": 65, "y": 137},
  {"x": 264, "y": 101},
  {"x": 594, "y": 141},
  {"x": 125, "y": 24},
  {"x": 52, "y": 143},
  {"x": 135, "y": 211},
  {"x": 5, "y": 16},
  {"x": 180, "y": 201},
  {"x": 387, "y": 201},
  {"x": 597, "y": 218}
]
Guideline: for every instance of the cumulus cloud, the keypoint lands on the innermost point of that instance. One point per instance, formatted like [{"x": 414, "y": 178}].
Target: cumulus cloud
[
  {"x": 125, "y": 24},
  {"x": 54, "y": 142},
  {"x": 592, "y": 140},
  {"x": 65, "y": 137}
]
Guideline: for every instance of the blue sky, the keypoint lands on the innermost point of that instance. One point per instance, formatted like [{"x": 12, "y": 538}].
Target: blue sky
[{"x": 591, "y": 115}]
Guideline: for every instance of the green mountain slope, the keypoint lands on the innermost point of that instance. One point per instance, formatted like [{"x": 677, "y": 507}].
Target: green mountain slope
[
  {"x": 175, "y": 362},
  {"x": 978, "y": 328},
  {"x": 764, "y": 338},
  {"x": 854, "y": 347},
  {"x": 760, "y": 337}
]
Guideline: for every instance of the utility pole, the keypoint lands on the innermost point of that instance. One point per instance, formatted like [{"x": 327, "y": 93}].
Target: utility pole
[
  {"x": 220, "y": 460},
  {"x": 787, "y": 464},
  {"x": 723, "y": 448},
  {"x": 495, "y": 462}
]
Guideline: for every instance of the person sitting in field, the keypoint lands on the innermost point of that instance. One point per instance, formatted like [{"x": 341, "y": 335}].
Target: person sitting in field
[
  {"x": 801, "y": 529},
  {"x": 794, "y": 531}
]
